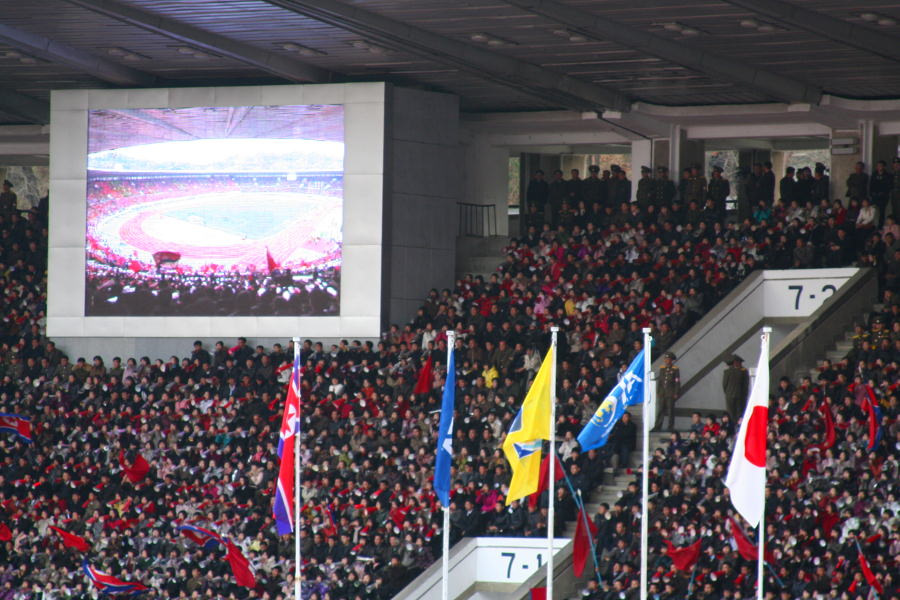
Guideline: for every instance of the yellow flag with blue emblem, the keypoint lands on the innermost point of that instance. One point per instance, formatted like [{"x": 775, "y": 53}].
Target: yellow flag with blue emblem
[{"x": 527, "y": 433}]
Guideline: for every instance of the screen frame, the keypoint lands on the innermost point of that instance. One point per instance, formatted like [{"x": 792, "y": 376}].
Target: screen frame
[{"x": 361, "y": 271}]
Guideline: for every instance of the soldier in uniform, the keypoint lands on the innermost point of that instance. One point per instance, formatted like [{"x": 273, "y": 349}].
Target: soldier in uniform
[
  {"x": 668, "y": 389},
  {"x": 664, "y": 189},
  {"x": 555, "y": 198},
  {"x": 736, "y": 385},
  {"x": 696, "y": 186},
  {"x": 645, "y": 189},
  {"x": 718, "y": 190},
  {"x": 858, "y": 183},
  {"x": 8, "y": 199},
  {"x": 592, "y": 187},
  {"x": 895, "y": 189},
  {"x": 623, "y": 189},
  {"x": 820, "y": 185},
  {"x": 880, "y": 189}
]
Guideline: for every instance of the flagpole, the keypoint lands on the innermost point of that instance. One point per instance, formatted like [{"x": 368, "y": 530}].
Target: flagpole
[
  {"x": 551, "y": 488},
  {"x": 761, "y": 538},
  {"x": 645, "y": 464},
  {"x": 445, "y": 559},
  {"x": 297, "y": 572}
]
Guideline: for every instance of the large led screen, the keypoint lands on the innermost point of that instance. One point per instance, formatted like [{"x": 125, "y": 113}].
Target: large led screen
[{"x": 214, "y": 211}]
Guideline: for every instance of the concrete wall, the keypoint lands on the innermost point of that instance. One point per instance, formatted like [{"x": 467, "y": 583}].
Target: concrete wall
[
  {"x": 421, "y": 191},
  {"x": 484, "y": 176}
]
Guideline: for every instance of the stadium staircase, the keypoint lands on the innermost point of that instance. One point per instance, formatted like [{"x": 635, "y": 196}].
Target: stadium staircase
[{"x": 837, "y": 351}]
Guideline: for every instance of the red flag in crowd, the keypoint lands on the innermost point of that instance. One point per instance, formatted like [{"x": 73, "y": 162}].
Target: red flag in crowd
[
  {"x": 138, "y": 468},
  {"x": 426, "y": 378},
  {"x": 240, "y": 566},
  {"x": 683, "y": 559},
  {"x": 70, "y": 540},
  {"x": 868, "y": 574},
  {"x": 830, "y": 434},
  {"x": 582, "y": 543},
  {"x": 270, "y": 262},
  {"x": 5, "y": 533},
  {"x": 871, "y": 408},
  {"x": 538, "y": 593},
  {"x": 543, "y": 478},
  {"x": 745, "y": 547}
]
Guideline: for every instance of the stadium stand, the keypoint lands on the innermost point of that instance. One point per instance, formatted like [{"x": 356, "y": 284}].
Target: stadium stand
[{"x": 207, "y": 424}]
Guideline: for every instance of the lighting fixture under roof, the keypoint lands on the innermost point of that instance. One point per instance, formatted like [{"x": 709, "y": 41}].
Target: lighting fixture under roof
[{"x": 300, "y": 49}]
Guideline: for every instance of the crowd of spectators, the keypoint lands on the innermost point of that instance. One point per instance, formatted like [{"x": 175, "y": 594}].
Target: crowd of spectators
[
  {"x": 828, "y": 497},
  {"x": 208, "y": 423}
]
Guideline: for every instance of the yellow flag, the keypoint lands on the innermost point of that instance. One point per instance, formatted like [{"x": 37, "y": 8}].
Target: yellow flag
[{"x": 526, "y": 435}]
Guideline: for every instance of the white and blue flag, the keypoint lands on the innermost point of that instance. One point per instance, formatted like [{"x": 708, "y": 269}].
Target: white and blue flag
[
  {"x": 628, "y": 392},
  {"x": 445, "y": 436}
]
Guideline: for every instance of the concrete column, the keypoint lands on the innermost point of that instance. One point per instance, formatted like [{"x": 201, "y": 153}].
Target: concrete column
[
  {"x": 676, "y": 137},
  {"x": 641, "y": 155},
  {"x": 867, "y": 143}
]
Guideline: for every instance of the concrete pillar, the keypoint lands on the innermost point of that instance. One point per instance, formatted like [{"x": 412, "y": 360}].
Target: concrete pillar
[
  {"x": 641, "y": 156},
  {"x": 676, "y": 139},
  {"x": 867, "y": 143}
]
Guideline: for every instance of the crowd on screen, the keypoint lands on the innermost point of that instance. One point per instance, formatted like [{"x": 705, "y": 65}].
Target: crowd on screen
[
  {"x": 118, "y": 282},
  {"x": 207, "y": 423}
]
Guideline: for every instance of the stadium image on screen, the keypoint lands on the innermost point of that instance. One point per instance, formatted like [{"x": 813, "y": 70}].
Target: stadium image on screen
[{"x": 214, "y": 211}]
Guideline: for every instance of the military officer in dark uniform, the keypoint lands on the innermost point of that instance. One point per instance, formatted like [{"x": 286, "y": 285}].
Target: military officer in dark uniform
[
  {"x": 895, "y": 189},
  {"x": 718, "y": 190},
  {"x": 8, "y": 199},
  {"x": 696, "y": 186},
  {"x": 644, "y": 194},
  {"x": 592, "y": 187},
  {"x": 668, "y": 389},
  {"x": 820, "y": 185},
  {"x": 664, "y": 189},
  {"x": 736, "y": 385},
  {"x": 858, "y": 183},
  {"x": 880, "y": 190}
]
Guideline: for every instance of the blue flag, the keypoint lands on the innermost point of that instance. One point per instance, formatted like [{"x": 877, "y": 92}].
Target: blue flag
[
  {"x": 445, "y": 436},
  {"x": 628, "y": 392}
]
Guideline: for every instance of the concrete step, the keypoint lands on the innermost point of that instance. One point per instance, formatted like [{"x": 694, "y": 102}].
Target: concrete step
[{"x": 482, "y": 265}]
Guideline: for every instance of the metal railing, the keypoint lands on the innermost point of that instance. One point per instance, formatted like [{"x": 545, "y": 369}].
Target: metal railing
[{"x": 477, "y": 219}]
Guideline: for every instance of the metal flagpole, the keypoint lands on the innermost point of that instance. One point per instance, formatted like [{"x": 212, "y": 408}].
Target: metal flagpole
[
  {"x": 445, "y": 559},
  {"x": 551, "y": 486},
  {"x": 761, "y": 538},
  {"x": 645, "y": 468},
  {"x": 297, "y": 563}
]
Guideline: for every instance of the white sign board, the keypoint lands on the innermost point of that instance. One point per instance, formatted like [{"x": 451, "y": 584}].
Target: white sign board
[{"x": 800, "y": 293}]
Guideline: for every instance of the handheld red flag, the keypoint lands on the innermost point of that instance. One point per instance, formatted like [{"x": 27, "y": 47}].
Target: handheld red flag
[
  {"x": 425, "y": 382},
  {"x": 137, "y": 470},
  {"x": 582, "y": 543},
  {"x": 70, "y": 540},
  {"x": 683, "y": 559}
]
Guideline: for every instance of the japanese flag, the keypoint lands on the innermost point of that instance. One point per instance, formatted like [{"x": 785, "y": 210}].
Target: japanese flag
[{"x": 746, "y": 479}]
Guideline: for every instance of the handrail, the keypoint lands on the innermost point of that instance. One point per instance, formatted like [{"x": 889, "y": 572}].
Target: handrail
[{"x": 477, "y": 219}]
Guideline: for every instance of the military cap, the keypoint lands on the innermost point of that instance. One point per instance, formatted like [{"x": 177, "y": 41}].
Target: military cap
[
  {"x": 662, "y": 169},
  {"x": 669, "y": 355},
  {"x": 645, "y": 169},
  {"x": 7, "y": 183},
  {"x": 594, "y": 169},
  {"x": 717, "y": 168},
  {"x": 735, "y": 357}
]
